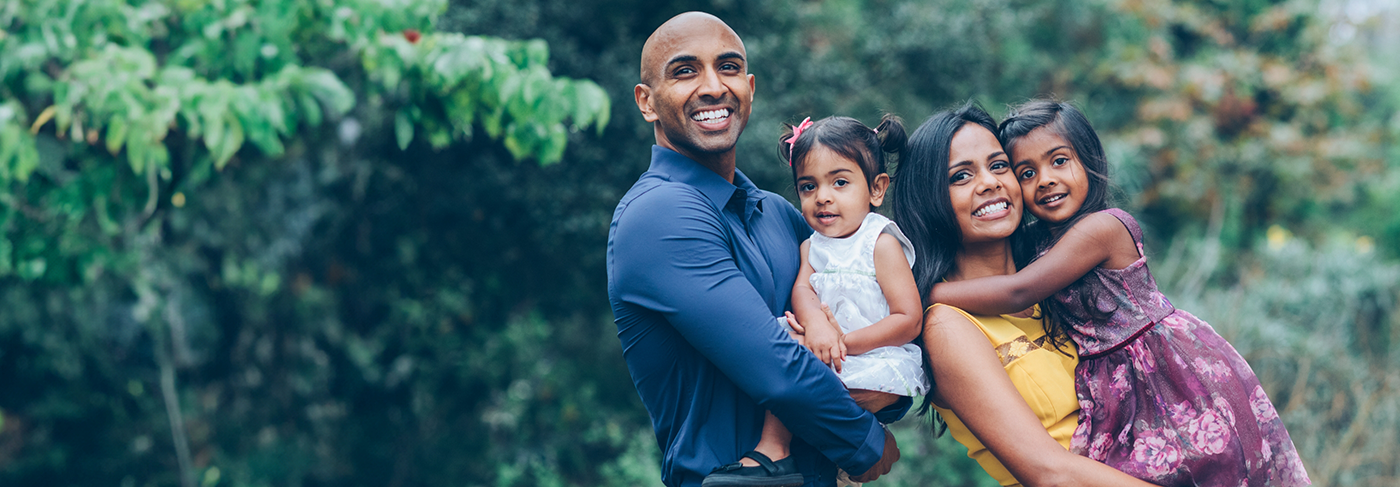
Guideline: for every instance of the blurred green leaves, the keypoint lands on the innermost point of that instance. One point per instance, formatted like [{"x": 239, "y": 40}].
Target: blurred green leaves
[
  {"x": 109, "y": 82},
  {"x": 132, "y": 79},
  {"x": 18, "y": 157},
  {"x": 1249, "y": 106},
  {"x": 170, "y": 163},
  {"x": 503, "y": 85}
]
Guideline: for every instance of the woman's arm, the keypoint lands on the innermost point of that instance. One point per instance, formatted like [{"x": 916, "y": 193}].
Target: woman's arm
[
  {"x": 972, "y": 381},
  {"x": 820, "y": 335},
  {"x": 1098, "y": 239},
  {"x": 897, "y": 283}
]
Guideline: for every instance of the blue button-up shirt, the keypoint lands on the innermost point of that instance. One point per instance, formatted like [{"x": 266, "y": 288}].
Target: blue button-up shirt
[{"x": 698, "y": 270}]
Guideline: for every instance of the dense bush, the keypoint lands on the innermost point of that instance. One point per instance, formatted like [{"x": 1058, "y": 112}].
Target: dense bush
[{"x": 222, "y": 260}]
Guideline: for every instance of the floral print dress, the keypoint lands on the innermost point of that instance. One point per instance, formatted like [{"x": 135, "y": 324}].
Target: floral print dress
[{"x": 1164, "y": 397}]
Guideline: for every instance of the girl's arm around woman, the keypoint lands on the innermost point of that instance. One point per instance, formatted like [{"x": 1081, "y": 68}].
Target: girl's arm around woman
[{"x": 1097, "y": 240}]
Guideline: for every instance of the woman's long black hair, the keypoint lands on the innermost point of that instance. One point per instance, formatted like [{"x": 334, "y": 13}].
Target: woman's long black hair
[
  {"x": 1067, "y": 122},
  {"x": 923, "y": 206}
]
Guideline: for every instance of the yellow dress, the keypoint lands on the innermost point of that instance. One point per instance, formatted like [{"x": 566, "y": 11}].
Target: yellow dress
[{"x": 1043, "y": 376}]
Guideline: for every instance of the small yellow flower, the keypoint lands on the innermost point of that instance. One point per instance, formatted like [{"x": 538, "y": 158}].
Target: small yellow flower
[
  {"x": 1364, "y": 244},
  {"x": 1278, "y": 237}
]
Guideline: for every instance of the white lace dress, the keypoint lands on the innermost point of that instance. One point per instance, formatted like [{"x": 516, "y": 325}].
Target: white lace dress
[{"x": 845, "y": 281}]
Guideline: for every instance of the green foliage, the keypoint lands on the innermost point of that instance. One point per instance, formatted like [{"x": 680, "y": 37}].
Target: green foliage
[
  {"x": 1319, "y": 326},
  {"x": 18, "y": 156},
  {"x": 122, "y": 77},
  {"x": 1242, "y": 106},
  {"x": 108, "y": 81},
  {"x": 160, "y": 225},
  {"x": 506, "y": 83}
]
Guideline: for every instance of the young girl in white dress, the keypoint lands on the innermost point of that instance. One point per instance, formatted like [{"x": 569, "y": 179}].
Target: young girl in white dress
[{"x": 857, "y": 265}]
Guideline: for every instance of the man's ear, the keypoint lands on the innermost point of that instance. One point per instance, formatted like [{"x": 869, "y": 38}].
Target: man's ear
[
  {"x": 877, "y": 189},
  {"x": 642, "y": 93},
  {"x": 752, "y": 88}
]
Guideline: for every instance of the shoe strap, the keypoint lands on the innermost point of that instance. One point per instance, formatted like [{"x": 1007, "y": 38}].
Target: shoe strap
[{"x": 763, "y": 461}]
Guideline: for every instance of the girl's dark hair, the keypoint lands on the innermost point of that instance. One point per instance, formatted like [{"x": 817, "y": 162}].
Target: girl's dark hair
[
  {"x": 1067, "y": 122},
  {"x": 849, "y": 138},
  {"x": 923, "y": 206}
]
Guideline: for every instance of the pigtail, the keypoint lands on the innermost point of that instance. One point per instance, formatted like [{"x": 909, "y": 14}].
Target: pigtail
[
  {"x": 784, "y": 144},
  {"x": 892, "y": 138}
]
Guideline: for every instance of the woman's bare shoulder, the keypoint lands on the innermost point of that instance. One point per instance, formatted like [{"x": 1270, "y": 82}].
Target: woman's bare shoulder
[{"x": 946, "y": 314}]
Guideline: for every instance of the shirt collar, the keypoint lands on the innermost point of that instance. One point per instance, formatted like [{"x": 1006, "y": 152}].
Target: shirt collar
[{"x": 685, "y": 170}]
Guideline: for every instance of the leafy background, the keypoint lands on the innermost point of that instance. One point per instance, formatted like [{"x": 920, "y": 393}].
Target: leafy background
[{"x": 360, "y": 242}]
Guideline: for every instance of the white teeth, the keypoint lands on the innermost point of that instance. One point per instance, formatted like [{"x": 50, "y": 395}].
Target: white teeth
[
  {"x": 709, "y": 115},
  {"x": 1053, "y": 199},
  {"x": 990, "y": 209}
]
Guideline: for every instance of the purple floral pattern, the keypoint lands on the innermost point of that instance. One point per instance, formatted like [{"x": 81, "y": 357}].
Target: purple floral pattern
[{"x": 1163, "y": 396}]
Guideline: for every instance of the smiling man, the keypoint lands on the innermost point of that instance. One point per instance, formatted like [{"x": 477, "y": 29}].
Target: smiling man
[{"x": 700, "y": 264}]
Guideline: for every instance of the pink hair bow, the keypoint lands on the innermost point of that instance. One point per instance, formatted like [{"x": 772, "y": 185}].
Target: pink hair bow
[{"x": 797, "y": 132}]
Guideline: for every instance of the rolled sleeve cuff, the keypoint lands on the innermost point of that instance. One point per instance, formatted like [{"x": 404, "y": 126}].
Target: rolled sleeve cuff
[
  {"x": 868, "y": 453},
  {"x": 896, "y": 411}
]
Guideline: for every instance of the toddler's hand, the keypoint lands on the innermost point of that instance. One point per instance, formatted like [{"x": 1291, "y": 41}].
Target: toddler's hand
[
  {"x": 794, "y": 329},
  {"x": 827, "y": 343},
  {"x": 831, "y": 320}
]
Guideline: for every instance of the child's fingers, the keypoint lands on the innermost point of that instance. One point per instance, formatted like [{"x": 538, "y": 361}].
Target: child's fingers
[
  {"x": 794, "y": 334},
  {"x": 792, "y": 322},
  {"x": 829, "y": 316}
]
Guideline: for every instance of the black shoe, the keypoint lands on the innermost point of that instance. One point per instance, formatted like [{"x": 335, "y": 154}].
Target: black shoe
[{"x": 768, "y": 473}]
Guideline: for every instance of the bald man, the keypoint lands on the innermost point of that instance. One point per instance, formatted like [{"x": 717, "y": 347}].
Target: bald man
[{"x": 700, "y": 264}]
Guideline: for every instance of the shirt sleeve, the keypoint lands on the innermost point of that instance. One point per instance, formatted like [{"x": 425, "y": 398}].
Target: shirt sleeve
[{"x": 671, "y": 256}]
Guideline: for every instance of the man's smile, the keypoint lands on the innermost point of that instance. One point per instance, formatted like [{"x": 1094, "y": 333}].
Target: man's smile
[{"x": 713, "y": 118}]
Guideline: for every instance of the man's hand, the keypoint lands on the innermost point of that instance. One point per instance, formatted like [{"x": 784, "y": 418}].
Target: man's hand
[{"x": 886, "y": 461}]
